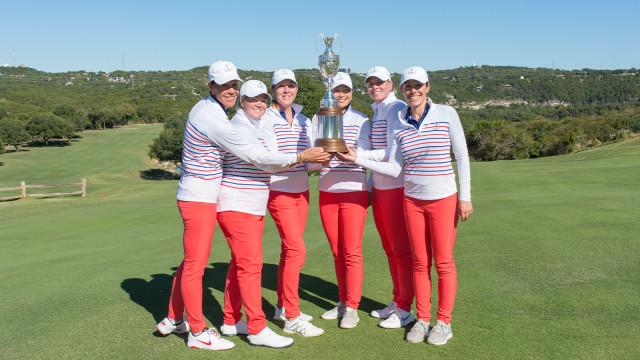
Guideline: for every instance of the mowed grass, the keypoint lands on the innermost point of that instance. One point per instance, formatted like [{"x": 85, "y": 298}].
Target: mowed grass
[{"x": 548, "y": 265}]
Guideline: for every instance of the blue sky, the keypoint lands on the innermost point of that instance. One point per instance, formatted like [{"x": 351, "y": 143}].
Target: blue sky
[{"x": 59, "y": 36}]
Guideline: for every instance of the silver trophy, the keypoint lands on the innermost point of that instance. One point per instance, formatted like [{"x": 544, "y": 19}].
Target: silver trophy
[{"x": 329, "y": 127}]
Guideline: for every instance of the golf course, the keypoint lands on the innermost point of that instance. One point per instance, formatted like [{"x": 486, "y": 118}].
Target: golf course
[{"x": 548, "y": 264}]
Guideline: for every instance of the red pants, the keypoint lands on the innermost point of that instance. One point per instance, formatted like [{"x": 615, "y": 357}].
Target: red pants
[
  {"x": 244, "y": 278},
  {"x": 289, "y": 212},
  {"x": 343, "y": 216},
  {"x": 199, "y": 223},
  {"x": 431, "y": 225},
  {"x": 388, "y": 213}
]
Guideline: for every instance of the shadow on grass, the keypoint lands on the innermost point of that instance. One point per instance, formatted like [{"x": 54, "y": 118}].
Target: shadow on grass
[
  {"x": 153, "y": 295},
  {"x": 158, "y": 174},
  {"x": 13, "y": 150},
  {"x": 52, "y": 143}
]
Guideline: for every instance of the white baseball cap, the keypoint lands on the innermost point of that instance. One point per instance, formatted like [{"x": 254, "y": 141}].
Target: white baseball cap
[
  {"x": 222, "y": 72},
  {"x": 281, "y": 75},
  {"x": 253, "y": 88},
  {"x": 341, "y": 79},
  {"x": 414, "y": 73},
  {"x": 380, "y": 72}
]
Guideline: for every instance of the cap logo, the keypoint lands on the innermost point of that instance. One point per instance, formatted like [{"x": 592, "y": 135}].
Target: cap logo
[
  {"x": 227, "y": 67},
  {"x": 260, "y": 85},
  {"x": 375, "y": 69},
  {"x": 411, "y": 71}
]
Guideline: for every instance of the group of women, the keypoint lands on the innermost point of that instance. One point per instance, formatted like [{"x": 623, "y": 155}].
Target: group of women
[{"x": 233, "y": 170}]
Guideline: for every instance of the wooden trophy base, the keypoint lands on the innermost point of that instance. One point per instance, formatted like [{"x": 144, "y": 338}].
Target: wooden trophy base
[{"x": 332, "y": 145}]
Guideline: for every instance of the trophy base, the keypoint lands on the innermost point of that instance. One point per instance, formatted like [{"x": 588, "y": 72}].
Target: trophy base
[{"x": 332, "y": 145}]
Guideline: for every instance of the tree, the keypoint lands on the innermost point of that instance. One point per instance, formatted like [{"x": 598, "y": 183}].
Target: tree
[
  {"x": 481, "y": 139},
  {"x": 13, "y": 132},
  {"x": 48, "y": 126},
  {"x": 514, "y": 144},
  {"x": 309, "y": 94},
  {"x": 168, "y": 145},
  {"x": 101, "y": 118},
  {"x": 76, "y": 117},
  {"x": 125, "y": 113}
]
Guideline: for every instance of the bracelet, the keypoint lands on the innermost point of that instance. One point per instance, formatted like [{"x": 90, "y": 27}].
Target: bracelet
[{"x": 298, "y": 158}]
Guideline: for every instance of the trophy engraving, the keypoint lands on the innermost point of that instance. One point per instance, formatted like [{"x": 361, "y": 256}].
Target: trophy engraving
[{"x": 329, "y": 126}]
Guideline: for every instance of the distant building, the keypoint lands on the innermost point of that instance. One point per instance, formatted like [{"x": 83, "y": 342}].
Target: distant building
[
  {"x": 68, "y": 83},
  {"x": 521, "y": 77},
  {"x": 118, "y": 79},
  {"x": 479, "y": 87},
  {"x": 345, "y": 70},
  {"x": 559, "y": 76},
  {"x": 448, "y": 77}
]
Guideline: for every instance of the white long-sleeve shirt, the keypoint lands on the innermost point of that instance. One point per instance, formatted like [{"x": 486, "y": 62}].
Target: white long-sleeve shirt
[
  {"x": 290, "y": 139},
  {"x": 340, "y": 176},
  {"x": 245, "y": 188},
  {"x": 208, "y": 135},
  {"x": 382, "y": 120},
  {"x": 424, "y": 154}
]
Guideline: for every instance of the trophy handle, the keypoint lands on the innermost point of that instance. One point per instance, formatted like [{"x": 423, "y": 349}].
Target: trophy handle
[
  {"x": 316, "y": 43},
  {"x": 336, "y": 36}
]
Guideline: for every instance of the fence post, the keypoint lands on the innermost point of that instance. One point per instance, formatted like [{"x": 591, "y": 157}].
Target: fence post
[
  {"x": 23, "y": 189},
  {"x": 84, "y": 187}
]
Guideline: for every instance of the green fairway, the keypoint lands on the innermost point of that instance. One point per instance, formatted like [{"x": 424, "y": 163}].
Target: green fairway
[{"x": 548, "y": 264}]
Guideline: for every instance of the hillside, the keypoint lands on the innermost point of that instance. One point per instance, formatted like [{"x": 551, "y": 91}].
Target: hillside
[
  {"x": 176, "y": 90},
  {"x": 507, "y": 112}
]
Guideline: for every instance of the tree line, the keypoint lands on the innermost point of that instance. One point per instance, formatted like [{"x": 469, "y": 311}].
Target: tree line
[{"x": 540, "y": 111}]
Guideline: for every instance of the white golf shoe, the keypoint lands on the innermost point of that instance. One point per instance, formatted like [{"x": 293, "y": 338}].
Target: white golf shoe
[
  {"x": 166, "y": 327},
  {"x": 209, "y": 339},
  {"x": 239, "y": 328},
  {"x": 268, "y": 338}
]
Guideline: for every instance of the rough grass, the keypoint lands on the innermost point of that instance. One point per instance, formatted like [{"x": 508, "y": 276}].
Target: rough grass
[{"x": 547, "y": 265}]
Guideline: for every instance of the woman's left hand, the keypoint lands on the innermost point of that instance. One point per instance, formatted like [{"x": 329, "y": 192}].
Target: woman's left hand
[{"x": 465, "y": 209}]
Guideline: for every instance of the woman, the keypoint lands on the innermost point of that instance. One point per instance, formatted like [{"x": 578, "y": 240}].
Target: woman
[
  {"x": 422, "y": 139},
  {"x": 208, "y": 135},
  {"x": 344, "y": 200},
  {"x": 289, "y": 193},
  {"x": 386, "y": 204},
  {"x": 241, "y": 208}
]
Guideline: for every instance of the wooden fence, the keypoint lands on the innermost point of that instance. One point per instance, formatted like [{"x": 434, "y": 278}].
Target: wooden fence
[{"x": 23, "y": 190}]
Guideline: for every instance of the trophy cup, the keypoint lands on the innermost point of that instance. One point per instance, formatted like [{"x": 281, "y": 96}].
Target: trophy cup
[{"x": 329, "y": 127}]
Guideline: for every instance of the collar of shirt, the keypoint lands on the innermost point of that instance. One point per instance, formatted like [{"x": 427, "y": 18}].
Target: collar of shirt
[
  {"x": 383, "y": 104},
  {"x": 242, "y": 116},
  {"x": 219, "y": 103},
  {"x": 414, "y": 122},
  {"x": 284, "y": 116}
]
